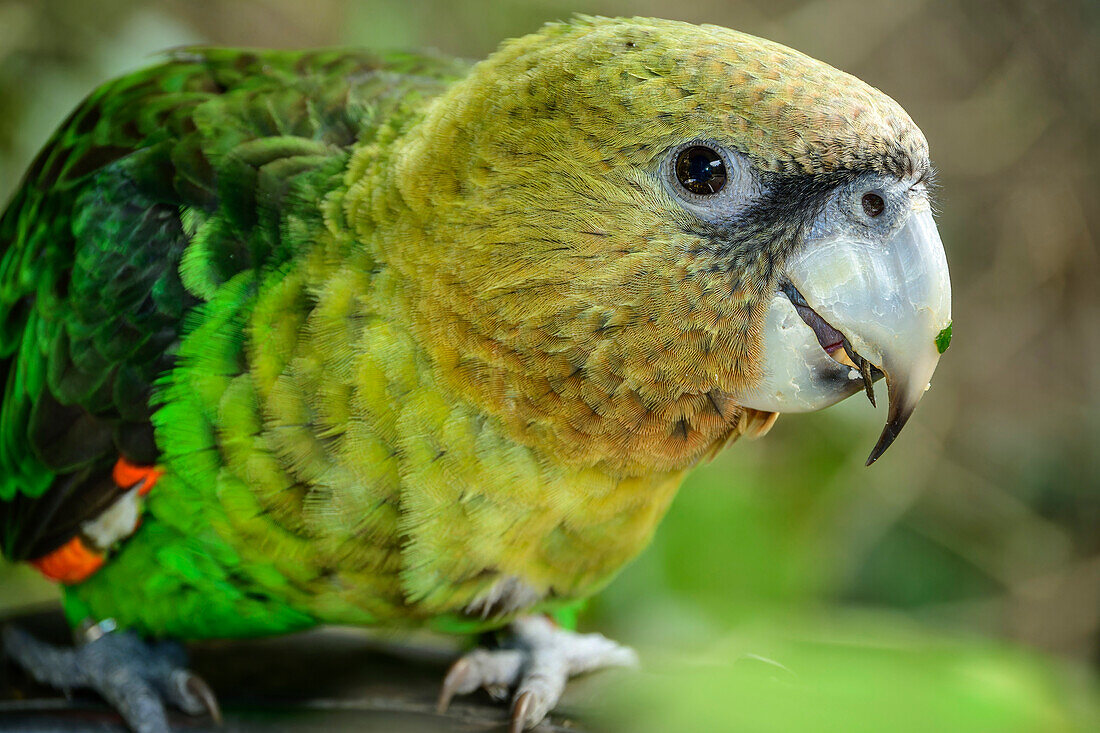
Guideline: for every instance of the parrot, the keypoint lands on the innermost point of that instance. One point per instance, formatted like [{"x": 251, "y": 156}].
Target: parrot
[{"x": 397, "y": 340}]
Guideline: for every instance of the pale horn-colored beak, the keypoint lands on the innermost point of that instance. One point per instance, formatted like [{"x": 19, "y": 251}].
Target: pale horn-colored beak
[{"x": 890, "y": 300}]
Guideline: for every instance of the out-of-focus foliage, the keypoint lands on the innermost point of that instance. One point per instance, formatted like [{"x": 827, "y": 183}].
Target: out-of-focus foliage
[
  {"x": 846, "y": 674},
  {"x": 958, "y": 580}
]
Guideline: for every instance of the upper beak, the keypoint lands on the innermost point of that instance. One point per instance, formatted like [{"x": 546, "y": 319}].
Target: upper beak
[{"x": 891, "y": 300}]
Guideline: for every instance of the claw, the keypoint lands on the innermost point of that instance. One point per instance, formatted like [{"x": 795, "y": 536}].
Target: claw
[
  {"x": 198, "y": 689},
  {"x": 456, "y": 675},
  {"x": 520, "y": 711}
]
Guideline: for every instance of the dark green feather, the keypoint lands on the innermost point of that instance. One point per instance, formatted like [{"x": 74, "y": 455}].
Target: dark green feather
[{"x": 210, "y": 149}]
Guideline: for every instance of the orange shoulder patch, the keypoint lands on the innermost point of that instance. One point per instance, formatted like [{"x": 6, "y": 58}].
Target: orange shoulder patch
[
  {"x": 76, "y": 560},
  {"x": 127, "y": 474},
  {"x": 71, "y": 563}
]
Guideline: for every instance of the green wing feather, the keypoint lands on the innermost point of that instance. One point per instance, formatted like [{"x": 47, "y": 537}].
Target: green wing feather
[{"x": 160, "y": 188}]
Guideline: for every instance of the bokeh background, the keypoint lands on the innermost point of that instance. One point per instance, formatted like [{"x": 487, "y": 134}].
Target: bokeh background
[{"x": 953, "y": 586}]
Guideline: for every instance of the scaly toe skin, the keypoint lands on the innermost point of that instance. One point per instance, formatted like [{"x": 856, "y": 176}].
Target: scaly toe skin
[
  {"x": 541, "y": 687},
  {"x": 494, "y": 670},
  {"x": 555, "y": 656},
  {"x": 538, "y": 670},
  {"x": 49, "y": 665},
  {"x": 136, "y": 678}
]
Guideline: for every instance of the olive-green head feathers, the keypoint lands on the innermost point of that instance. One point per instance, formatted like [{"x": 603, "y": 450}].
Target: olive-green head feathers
[
  {"x": 566, "y": 278},
  {"x": 659, "y": 81}
]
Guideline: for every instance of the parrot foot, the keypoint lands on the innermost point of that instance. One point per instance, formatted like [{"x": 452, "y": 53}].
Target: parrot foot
[
  {"x": 137, "y": 678},
  {"x": 543, "y": 660}
]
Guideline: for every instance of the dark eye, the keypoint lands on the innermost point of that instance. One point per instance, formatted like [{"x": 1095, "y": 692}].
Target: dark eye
[
  {"x": 873, "y": 205},
  {"x": 700, "y": 170}
]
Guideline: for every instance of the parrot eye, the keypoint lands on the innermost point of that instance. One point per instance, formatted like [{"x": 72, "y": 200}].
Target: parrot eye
[
  {"x": 700, "y": 170},
  {"x": 873, "y": 204},
  {"x": 711, "y": 181}
]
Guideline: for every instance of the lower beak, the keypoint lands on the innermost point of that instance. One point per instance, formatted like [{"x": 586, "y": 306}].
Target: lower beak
[{"x": 891, "y": 302}]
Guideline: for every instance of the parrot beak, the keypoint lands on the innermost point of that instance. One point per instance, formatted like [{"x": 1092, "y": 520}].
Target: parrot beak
[{"x": 855, "y": 306}]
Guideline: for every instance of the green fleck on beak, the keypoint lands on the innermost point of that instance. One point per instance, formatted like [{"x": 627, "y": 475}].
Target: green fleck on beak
[{"x": 943, "y": 339}]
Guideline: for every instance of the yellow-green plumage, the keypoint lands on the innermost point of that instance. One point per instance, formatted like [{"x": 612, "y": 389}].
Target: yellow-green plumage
[{"x": 473, "y": 381}]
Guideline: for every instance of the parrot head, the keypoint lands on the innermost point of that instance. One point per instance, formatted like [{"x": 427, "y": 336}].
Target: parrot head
[{"x": 649, "y": 228}]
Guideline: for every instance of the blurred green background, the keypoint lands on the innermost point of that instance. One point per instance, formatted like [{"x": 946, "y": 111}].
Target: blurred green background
[{"x": 953, "y": 586}]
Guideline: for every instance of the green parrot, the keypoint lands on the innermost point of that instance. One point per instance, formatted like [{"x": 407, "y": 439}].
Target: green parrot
[{"x": 335, "y": 337}]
